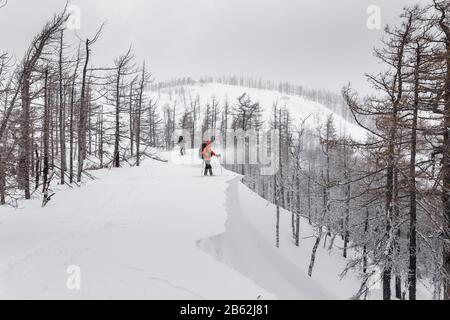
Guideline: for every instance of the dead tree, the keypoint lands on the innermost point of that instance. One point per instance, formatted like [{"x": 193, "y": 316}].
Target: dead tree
[
  {"x": 46, "y": 133},
  {"x": 443, "y": 8},
  {"x": 83, "y": 105},
  {"x": 123, "y": 67},
  {"x": 131, "y": 114},
  {"x": 50, "y": 30},
  {"x": 71, "y": 116},
  {"x": 145, "y": 78},
  {"x": 62, "y": 112}
]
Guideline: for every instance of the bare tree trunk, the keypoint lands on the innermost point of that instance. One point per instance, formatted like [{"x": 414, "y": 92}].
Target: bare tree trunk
[
  {"x": 389, "y": 212},
  {"x": 89, "y": 117},
  {"x": 225, "y": 126},
  {"x": 412, "y": 272},
  {"x": 276, "y": 194},
  {"x": 46, "y": 133},
  {"x": 71, "y": 134},
  {"x": 47, "y": 196},
  {"x": 297, "y": 225},
  {"x": 2, "y": 177},
  {"x": 346, "y": 229},
  {"x": 366, "y": 230},
  {"x": 82, "y": 117},
  {"x": 280, "y": 164},
  {"x": 55, "y": 126},
  {"x": 117, "y": 125},
  {"x": 100, "y": 147},
  {"x": 71, "y": 130},
  {"x": 277, "y": 203},
  {"x": 52, "y": 127},
  {"x": 32, "y": 173},
  {"x": 347, "y": 218},
  {"x": 139, "y": 115},
  {"x": 62, "y": 113},
  {"x": 131, "y": 121},
  {"x": 446, "y": 180},
  {"x": 25, "y": 143},
  {"x": 443, "y": 23},
  {"x": 314, "y": 251},
  {"x": 36, "y": 172},
  {"x": 309, "y": 192}
]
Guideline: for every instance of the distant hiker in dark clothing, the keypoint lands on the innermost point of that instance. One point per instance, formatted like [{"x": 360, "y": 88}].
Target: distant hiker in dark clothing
[
  {"x": 182, "y": 145},
  {"x": 207, "y": 154}
]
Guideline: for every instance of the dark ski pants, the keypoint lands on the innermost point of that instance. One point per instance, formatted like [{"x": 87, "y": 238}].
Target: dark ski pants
[{"x": 208, "y": 168}]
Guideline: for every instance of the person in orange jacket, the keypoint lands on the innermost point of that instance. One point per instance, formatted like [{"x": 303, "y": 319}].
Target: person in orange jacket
[{"x": 207, "y": 154}]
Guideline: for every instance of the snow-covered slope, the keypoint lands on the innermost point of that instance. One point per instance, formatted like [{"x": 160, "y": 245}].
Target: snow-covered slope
[
  {"x": 248, "y": 245},
  {"x": 299, "y": 107},
  {"x": 133, "y": 233},
  {"x": 142, "y": 233}
]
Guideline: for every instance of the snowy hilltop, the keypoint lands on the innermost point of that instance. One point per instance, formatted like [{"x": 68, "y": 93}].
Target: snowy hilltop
[{"x": 179, "y": 95}]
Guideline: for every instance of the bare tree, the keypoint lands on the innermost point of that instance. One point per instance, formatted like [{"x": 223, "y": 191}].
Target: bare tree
[
  {"x": 71, "y": 116},
  {"x": 46, "y": 134},
  {"x": 83, "y": 104},
  {"x": 123, "y": 68},
  {"x": 443, "y": 8},
  {"x": 62, "y": 112},
  {"x": 144, "y": 80},
  {"x": 48, "y": 33}
]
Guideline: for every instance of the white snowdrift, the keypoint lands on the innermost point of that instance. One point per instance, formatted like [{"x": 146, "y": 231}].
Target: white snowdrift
[{"x": 248, "y": 245}]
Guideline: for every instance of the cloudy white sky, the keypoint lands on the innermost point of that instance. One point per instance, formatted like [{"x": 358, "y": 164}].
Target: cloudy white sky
[{"x": 317, "y": 43}]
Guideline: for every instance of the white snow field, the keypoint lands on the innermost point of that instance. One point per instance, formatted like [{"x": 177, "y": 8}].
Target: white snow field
[{"x": 161, "y": 231}]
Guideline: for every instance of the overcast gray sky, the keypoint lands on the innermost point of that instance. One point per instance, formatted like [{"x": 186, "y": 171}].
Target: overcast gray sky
[{"x": 317, "y": 43}]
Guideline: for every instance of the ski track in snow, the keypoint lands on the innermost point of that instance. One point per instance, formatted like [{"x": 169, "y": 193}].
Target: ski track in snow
[
  {"x": 160, "y": 231},
  {"x": 169, "y": 283}
]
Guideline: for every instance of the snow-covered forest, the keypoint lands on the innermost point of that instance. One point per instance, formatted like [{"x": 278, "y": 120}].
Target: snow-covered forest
[{"x": 353, "y": 201}]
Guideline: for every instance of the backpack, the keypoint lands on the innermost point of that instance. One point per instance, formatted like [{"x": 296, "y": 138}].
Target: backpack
[{"x": 200, "y": 151}]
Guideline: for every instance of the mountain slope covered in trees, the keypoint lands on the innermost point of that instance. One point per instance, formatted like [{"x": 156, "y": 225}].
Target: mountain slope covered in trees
[{"x": 213, "y": 97}]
